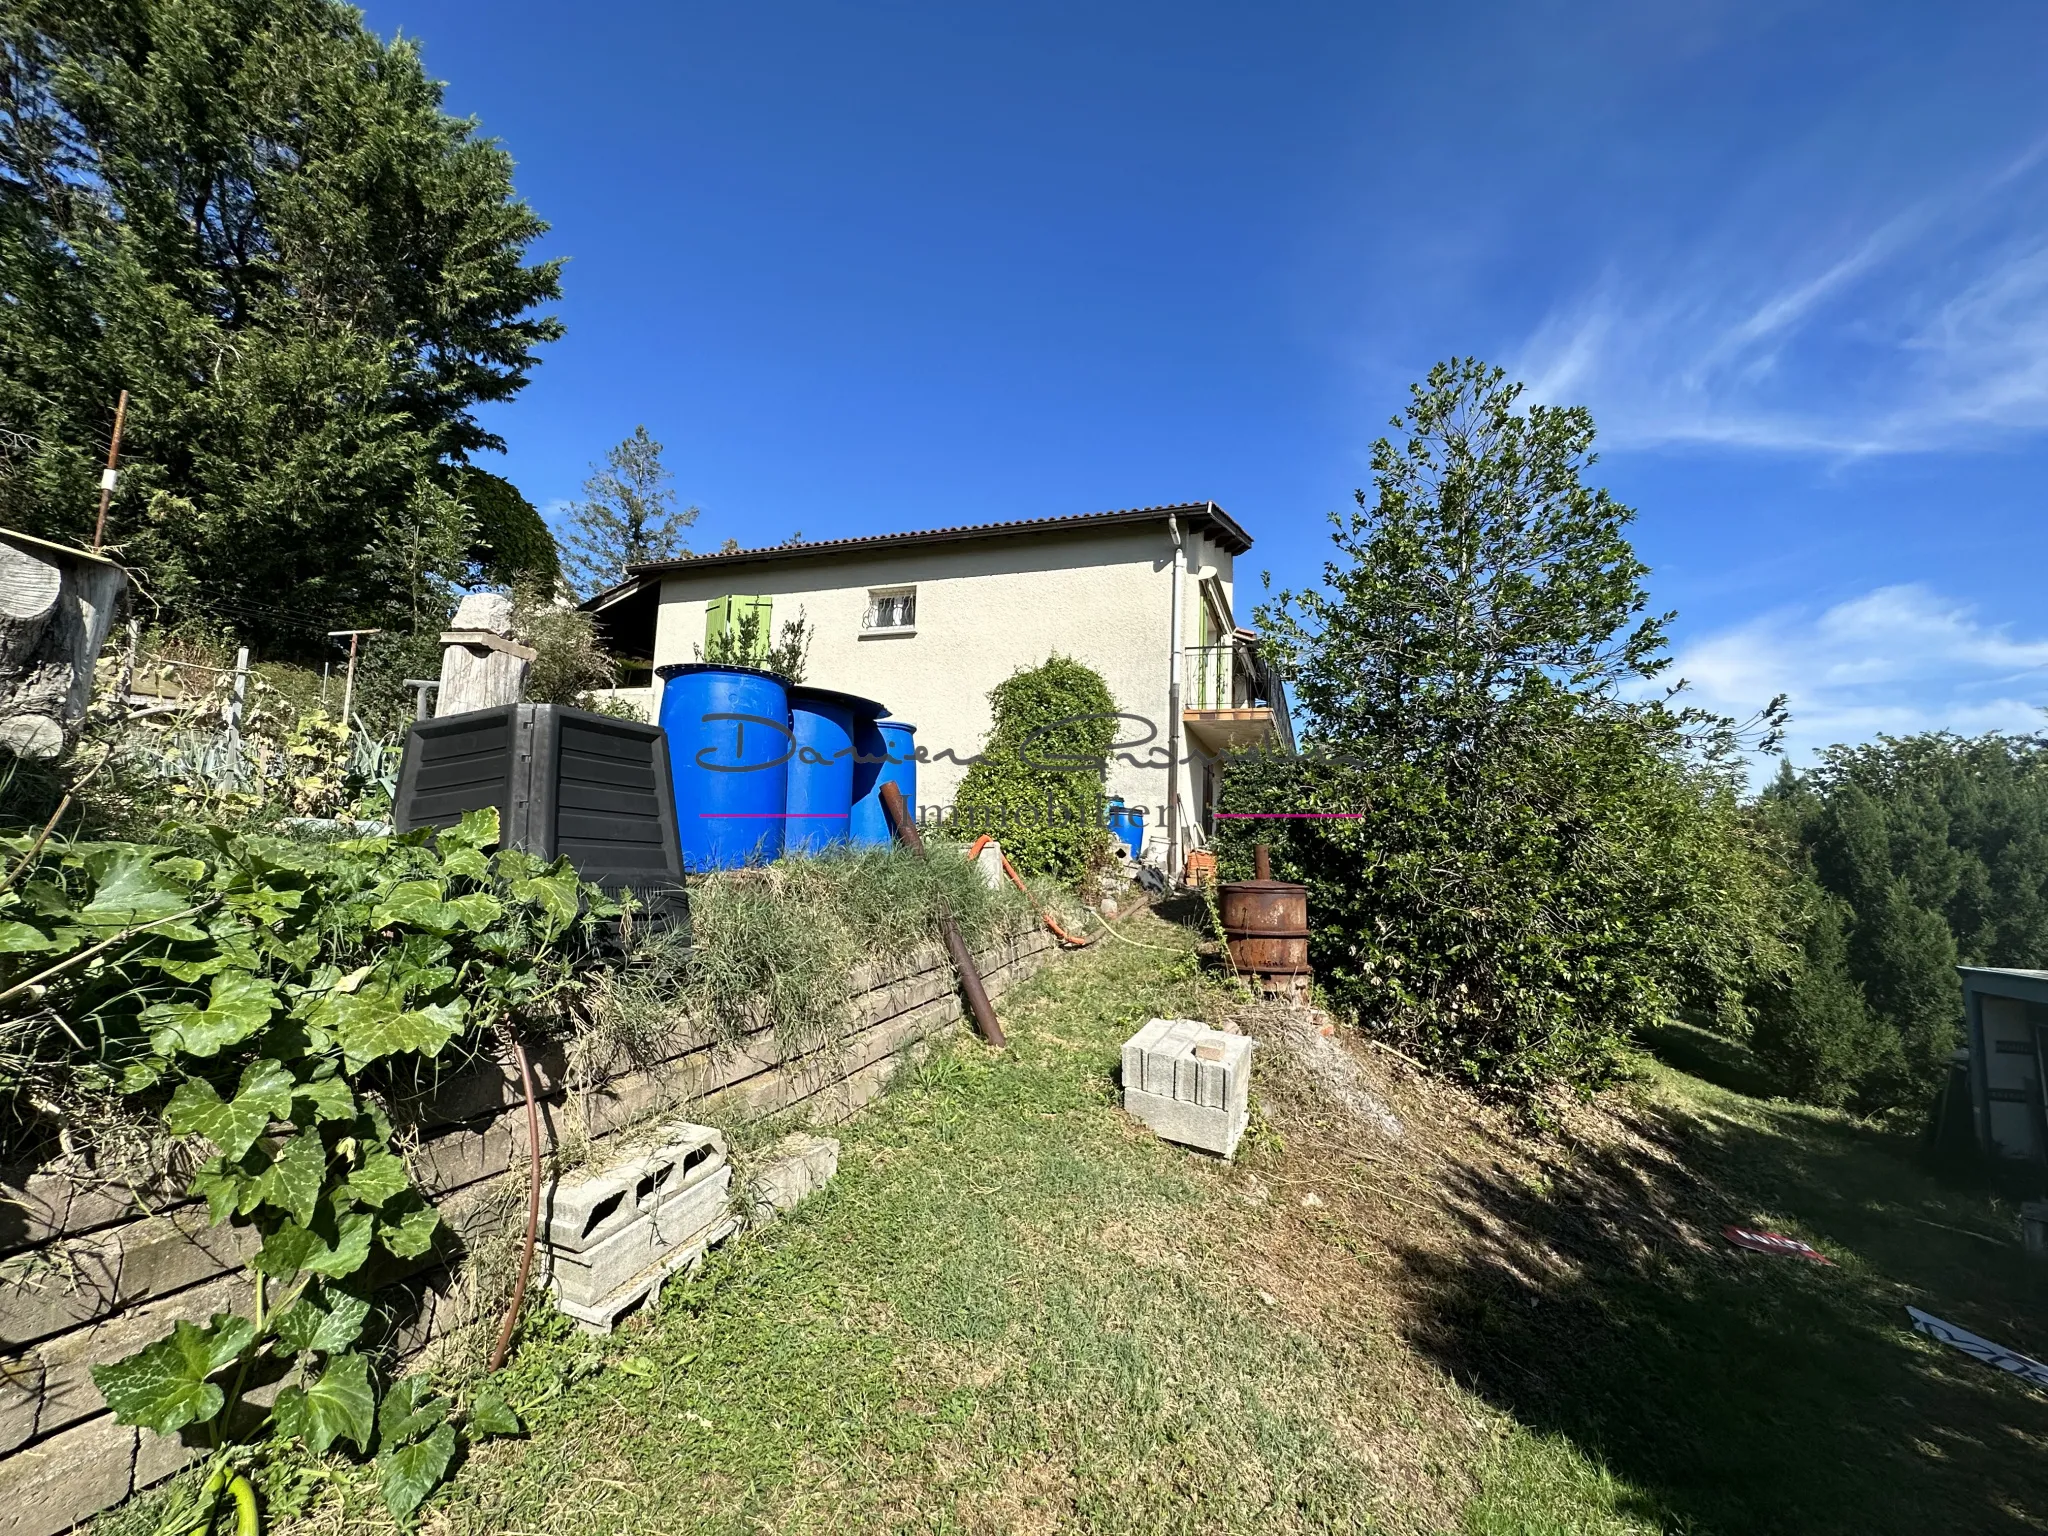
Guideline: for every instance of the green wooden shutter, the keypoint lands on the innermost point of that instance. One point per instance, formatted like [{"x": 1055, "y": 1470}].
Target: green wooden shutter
[
  {"x": 763, "y": 610},
  {"x": 716, "y": 614}
]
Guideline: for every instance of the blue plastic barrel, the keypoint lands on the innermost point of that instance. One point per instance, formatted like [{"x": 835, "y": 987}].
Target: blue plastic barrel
[
  {"x": 887, "y": 755},
  {"x": 729, "y": 749},
  {"x": 1127, "y": 825},
  {"x": 821, "y": 774}
]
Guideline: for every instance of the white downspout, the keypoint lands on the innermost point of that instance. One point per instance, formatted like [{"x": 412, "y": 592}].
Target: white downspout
[{"x": 1173, "y": 708}]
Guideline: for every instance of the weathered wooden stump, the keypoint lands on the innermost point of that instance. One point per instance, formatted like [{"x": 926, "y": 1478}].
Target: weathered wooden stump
[
  {"x": 482, "y": 667},
  {"x": 56, "y": 606}
]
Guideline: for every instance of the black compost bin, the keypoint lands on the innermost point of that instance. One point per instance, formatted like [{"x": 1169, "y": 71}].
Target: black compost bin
[{"x": 566, "y": 782}]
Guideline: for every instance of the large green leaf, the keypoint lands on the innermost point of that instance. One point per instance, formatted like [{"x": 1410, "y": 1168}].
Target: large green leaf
[
  {"x": 340, "y": 1405},
  {"x": 326, "y": 1321},
  {"x": 558, "y": 896},
  {"x": 127, "y": 888},
  {"x": 477, "y": 829},
  {"x": 327, "y": 1094},
  {"x": 477, "y": 911},
  {"x": 21, "y": 939},
  {"x": 409, "y": 1410},
  {"x": 414, "y": 904},
  {"x": 381, "y": 1176},
  {"x": 232, "y": 1125},
  {"x": 371, "y": 1028},
  {"x": 407, "y": 1224},
  {"x": 239, "y": 1005},
  {"x": 294, "y": 1179},
  {"x": 164, "y": 1386},
  {"x": 332, "y": 1246},
  {"x": 490, "y": 1414},
  {"x": 407, "y": 1475}
]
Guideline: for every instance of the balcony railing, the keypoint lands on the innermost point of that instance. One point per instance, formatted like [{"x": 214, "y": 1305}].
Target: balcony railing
[
  {"x": 1234, "y": 677},
  {"x": 1219, "y": 677}
]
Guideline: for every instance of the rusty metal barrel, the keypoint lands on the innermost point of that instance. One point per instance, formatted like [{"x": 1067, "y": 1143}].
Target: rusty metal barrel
[{"x": 1265, "y": 923}]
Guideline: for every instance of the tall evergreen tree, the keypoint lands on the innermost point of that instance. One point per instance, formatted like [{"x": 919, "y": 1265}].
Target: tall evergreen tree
[
  {"x": 627, "y": 516},
  {"x": 254, "y": 216},
  {"x": 1935, "y": 849}
]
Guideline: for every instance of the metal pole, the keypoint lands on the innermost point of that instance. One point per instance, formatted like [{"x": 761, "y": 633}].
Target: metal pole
[
  {"x": 1173, "y": 713},
  {"x": 963, "y": 959},
  {"x": 109, "y": 478}
]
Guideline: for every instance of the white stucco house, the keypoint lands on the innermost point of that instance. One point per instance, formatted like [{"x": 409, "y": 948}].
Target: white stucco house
[{"x": 928, "y": 622}]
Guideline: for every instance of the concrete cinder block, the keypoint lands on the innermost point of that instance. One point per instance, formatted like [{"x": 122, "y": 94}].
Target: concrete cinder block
[
  {"x": 794, "y": 1169},
  {"x": 586, "y": 1209},
  {"x": 51, "y": 1485},
  {"x": 588, "y": 1276},
  {"x": 1190, "y": 1083},
  {"x": 1191, "y": 1125},
  {"x": 603, "y": 1315}
]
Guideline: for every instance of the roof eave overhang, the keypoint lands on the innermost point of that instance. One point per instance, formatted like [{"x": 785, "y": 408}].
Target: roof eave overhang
[{"x": 1224, "y": 527}]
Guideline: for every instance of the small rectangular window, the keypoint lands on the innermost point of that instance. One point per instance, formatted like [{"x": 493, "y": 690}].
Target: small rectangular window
[{"x": 891, "y": 608}]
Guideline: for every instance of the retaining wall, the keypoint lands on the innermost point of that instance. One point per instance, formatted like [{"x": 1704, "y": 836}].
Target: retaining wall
[{"x": 88, "y": 1273}]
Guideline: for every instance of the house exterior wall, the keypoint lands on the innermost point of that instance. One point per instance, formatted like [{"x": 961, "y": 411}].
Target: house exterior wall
[{"x": 985, "y": 608}]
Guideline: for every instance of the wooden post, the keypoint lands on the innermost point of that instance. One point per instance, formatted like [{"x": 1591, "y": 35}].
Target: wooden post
[
  {"x": 232, "y": 714},
  {"x": 56, "y": 605},
  {"x": 111, "y": 475},
  {"x": 348, "y": 690},
  {"x": 482, "y": 667}
]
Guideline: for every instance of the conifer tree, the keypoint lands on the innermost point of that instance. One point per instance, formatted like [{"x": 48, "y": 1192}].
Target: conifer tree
[{"x": 627, "y": 516}]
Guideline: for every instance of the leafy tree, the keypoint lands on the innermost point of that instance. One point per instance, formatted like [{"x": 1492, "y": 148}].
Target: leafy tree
[
  {"x": 1933, "y": 850},
  {"x": 1037, "y": 784},
  {"x": 1523, "y": 862},
  {"x": 255, "y": 217},
  {"x": 627, "y": 517},
  {"x": 511, "y": 543},
  {"x": 1811, "y": 1027}
]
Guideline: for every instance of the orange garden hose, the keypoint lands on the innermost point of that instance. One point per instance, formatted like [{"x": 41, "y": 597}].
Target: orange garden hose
[{"x": 1018, "y": 880}]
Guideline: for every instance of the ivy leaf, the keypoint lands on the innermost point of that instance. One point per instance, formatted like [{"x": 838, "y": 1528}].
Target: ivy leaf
[
  {"x": 381, "y": 1176},
  {"x": 478, "y": 911},
  {"x": 407, "y": 1475},
  {"x": 336, "y": 1325},
  {"x": 232, "y": 1125},
  {"x": 407, "y": 1226},
  {"x": 467, "y": 863},
  {"x": 293, "y": 1180},
  {"x": 413, "y": 904},
  {"x": 375, "y": 1028},
  {"x": 164, "y": 1386},
  {"x": 223, "y": 1186},
  {"x": 21, "y": 939},
  {"x": 477, "y": 829},
  {"x": 327, "y": 1094},
  {"x": 240, "y": 1004},
  {"x": 559, "y": 897},
  {"x": 333, "y": 1246},
  {"x": 409, "y": 1410},
  {"x": 340, "y": 1405},
  {"x": 490, "y": 1414}
]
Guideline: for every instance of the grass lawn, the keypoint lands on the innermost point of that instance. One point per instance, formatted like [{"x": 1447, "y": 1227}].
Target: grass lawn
[{"x": 1016, "y": 1311}]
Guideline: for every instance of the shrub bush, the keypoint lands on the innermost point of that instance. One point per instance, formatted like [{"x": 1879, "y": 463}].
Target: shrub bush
[{"x": 1037, "y": 785}]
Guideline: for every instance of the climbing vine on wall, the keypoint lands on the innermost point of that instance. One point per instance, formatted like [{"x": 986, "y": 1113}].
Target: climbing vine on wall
[{"x": 268, "y": 998}]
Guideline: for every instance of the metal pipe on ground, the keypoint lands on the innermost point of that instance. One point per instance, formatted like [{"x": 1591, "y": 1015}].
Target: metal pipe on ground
[{"x": 963, "y": 961}]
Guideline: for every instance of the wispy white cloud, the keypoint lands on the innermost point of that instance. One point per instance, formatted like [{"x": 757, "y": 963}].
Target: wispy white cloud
[
  {"x": 1896, "y": 660},
  {"x": 1927, "y": 330}
]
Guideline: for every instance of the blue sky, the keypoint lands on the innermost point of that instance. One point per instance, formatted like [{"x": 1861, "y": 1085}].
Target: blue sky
[{"x": 886, "y": 266}]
